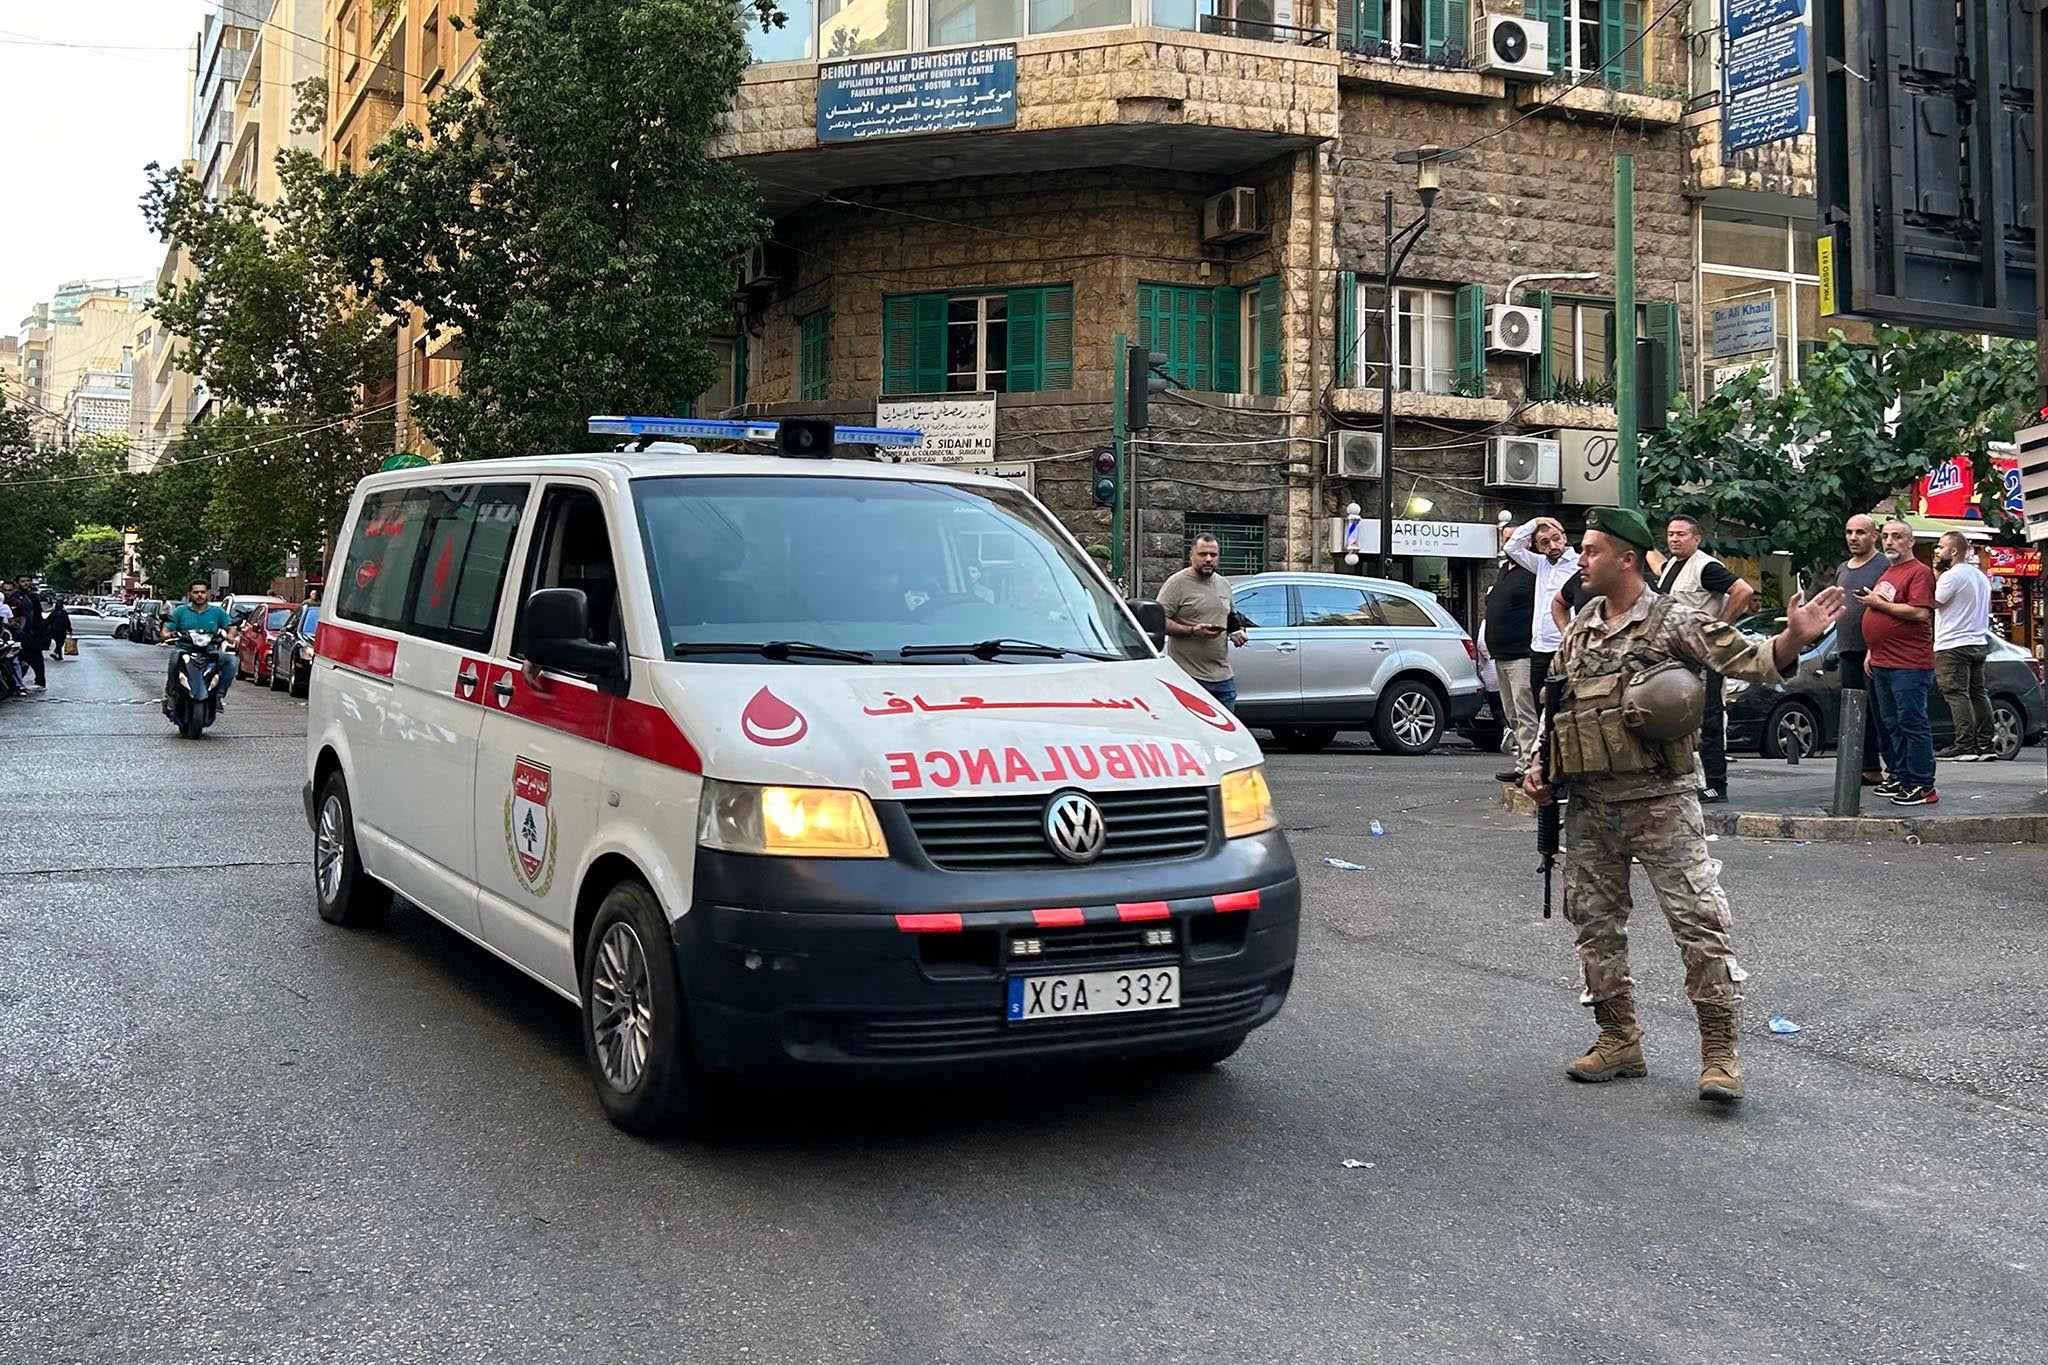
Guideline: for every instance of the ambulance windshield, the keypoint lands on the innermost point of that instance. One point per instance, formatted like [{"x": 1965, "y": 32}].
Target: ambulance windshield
[{"x": 868, "y": 565}]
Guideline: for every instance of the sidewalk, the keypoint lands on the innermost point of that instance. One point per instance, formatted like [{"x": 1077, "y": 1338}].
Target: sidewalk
[{"x": 1980, "y": 803}]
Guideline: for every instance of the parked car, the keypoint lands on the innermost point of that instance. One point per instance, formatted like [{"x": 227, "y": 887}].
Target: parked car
[
  {"x": 260, "y": 625},
  {"x": 88, "y": 620},
  {"x": 1808, "y": 706},
  {"x": 291, "y": 651},
  {"x": 146, "y": 621},
  {"x": 1330, "y": 652}
]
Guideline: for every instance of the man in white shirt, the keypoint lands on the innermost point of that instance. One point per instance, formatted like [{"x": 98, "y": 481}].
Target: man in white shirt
[
  {"x": 1962, "y": 640},
  {"x": 1542, "y": 548}
]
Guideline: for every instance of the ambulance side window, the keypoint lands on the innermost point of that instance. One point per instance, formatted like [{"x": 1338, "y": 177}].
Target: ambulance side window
[
  {"x": 383, "y": 558},
  {"x": 572, "y": 548},
  {"x": 468, "y": 552}
]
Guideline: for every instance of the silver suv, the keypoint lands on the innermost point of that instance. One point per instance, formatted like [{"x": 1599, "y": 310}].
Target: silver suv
[{"x": 1329, "y": 652}]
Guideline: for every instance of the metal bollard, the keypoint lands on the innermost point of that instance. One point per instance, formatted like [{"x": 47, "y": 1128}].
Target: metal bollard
[{"x": 1849, "y": 754}]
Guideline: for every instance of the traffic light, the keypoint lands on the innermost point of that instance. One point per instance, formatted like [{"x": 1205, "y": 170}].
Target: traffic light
[
  {"x": 1105, "y": 475},
  {"x": 1142, "y": 379}
]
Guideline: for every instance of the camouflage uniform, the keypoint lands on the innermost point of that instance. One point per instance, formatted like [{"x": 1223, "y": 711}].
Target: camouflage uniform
[{"x": 1650, "y": 814}]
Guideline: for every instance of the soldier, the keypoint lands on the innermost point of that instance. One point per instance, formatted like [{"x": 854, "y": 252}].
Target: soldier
[{"x": 1623, "y": 738}]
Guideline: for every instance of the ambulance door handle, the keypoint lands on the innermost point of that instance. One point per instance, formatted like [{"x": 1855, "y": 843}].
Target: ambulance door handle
[
  {"x": 502, "y": 688},
  {"x": 466, "y": 678}
]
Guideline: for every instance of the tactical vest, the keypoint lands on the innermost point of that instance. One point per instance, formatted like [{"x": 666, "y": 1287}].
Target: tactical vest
[{"x": 1591, "y": 738}]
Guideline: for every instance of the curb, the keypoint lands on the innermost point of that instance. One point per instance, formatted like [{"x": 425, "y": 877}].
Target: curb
[{"x": 2018, "y": 827}]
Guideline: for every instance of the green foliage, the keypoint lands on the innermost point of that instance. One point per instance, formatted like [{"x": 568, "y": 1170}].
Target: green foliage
[
  {"x": 45, "y": 492},
  {"x": 85, "y": 560},
  {"x": 1782, "y": 473},
  {"x": 1591, "y": 393},
  {"x": 565, "y": 219}
]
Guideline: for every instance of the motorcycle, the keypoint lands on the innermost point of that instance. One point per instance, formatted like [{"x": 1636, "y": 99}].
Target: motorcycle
[{"x": 194, "y": 700}]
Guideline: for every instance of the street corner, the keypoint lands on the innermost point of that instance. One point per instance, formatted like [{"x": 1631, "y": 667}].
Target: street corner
[{"x": 2008, "y": 828}]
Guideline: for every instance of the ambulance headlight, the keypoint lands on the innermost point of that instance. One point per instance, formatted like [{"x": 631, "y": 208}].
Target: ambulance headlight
[
  {"x": 789, "y": 822},
  {"x": 1247, "y": 803}
]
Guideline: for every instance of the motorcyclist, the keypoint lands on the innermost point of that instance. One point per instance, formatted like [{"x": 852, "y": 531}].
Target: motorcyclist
[{"x": 196, "y": 613}]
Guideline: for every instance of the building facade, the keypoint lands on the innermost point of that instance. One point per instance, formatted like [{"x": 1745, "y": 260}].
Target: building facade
[
  {"x": 285, "y": 55},
  {"x": 221, "y": 54}
]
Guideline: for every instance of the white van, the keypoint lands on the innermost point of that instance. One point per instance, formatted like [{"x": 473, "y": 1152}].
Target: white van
[{"x": 788, "y": 763}]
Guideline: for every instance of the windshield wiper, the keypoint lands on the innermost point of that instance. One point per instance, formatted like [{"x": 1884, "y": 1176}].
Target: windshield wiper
[
  {"x": 990, "y": 649},
  {"x": 778, "y": 650}
]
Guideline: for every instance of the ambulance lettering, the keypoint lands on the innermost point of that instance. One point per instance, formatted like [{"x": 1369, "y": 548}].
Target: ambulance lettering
[
  {"x": 530, "y": 825},
  {"x": 951, "y": 768}
]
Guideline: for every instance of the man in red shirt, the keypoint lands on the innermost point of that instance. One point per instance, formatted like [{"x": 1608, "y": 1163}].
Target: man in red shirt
[{"x": 1898, "y": 629}]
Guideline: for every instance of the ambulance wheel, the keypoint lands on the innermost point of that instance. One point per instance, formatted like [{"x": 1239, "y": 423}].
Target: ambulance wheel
[
  {"x": 634, "y": 1034},
  {"x": 1201, "y": 1058},
  {"x": 345, "y": 893}
]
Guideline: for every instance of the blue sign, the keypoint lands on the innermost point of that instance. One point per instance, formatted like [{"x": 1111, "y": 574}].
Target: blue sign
[
  {"x": 920, "y": 92},
  {"x": 1772, "y": 114},
  {"x": 1745, "y": 327},
  {"x": 1777, "y": 54},
  {"x": 1748, "y": 16}
]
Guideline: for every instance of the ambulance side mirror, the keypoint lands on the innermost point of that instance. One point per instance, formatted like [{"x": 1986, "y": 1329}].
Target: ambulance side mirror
[
  {"x": 1151, "y": 617},
  {"x": 558, "y": 636}
]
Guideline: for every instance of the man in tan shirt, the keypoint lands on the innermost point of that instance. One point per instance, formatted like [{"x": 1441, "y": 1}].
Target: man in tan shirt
[{"x": 1198, "y": 612}]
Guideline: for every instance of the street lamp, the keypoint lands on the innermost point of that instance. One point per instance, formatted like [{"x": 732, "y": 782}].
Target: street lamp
[{"x": 1427, "y": 162}]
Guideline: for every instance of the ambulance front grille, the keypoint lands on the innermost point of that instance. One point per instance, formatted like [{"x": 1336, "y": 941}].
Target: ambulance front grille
[{"x": 995, "y": 833}]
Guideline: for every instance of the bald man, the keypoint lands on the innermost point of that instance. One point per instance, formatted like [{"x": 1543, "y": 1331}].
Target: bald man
[
  {"x": 1860, "y": 574},
  {"x": 1898, "y": 629}
]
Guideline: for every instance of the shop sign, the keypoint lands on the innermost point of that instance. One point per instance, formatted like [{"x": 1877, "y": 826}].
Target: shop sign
[
  {"x": 1950, "y": 491},
  {"x": 1777, "y": 54},
  {"x": 956, "y": 430},
  {"x": 2006, "y": 561},
  {"x": 1744, "y": 17},
  {"x": 1442, "y": 539},
  {"x": 1724, "y": 375},
  {"x": 918, "y": 93},
  {"x": 1745, "y": 326},
  {"x": 1755, "y": 118},
  {"x": 1589, "y": 469}
]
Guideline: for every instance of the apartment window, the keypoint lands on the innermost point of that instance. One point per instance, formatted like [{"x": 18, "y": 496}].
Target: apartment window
[
  {"x": 1425, "y": 324},
  {"x": 729, "y": 379},
  {"x": 1440, "y": 333},
  {"x": 1746, "y": 259},
  {"x": 1012, "y": 341},
  {"x": 860, "y": 28},
  {"x": 1410, "y": 30},
  {"x": 1596, "y": 38},
  {"x": 1240, "y": 540},
  {"x": 351, "y": 42},
  {"x": 814, "y": 335},
  {"x": 431, "y": 62},
  {"x": 1577, "y": 363},
  {"x": 1198, "y": 330}
]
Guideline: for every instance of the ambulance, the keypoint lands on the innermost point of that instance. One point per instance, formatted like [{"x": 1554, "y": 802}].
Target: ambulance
[{"x": 778, "y": 764}]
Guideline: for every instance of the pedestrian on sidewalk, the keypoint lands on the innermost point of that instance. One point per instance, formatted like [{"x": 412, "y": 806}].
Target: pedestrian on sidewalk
[
  {"x": 1200, "y": 616},
  {"x": 1962, "y": 641},
  {"x": 58, "y": 624},
  {"x": 1858, "y": 575},
  {"x": 1542, "y": 547},
  {"x": 1624, "y": 748},
  {"x": 1509, "y": 633},
  {"x": 1693, "y": 578},
  {"x": 29, "y": 630},
  {"x": 1898, "y": 630}
]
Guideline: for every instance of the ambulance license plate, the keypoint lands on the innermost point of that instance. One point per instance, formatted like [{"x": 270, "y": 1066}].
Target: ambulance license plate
[{"x": 1091, "y": 993}]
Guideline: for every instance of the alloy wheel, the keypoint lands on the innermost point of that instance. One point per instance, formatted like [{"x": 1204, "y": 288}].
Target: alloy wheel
[
  {"x": 328, "y": 848},
  {"x": 621, "y": 1007},
  {"x": 1796, "y": 725},
  {"x": 1414, "y": 719}
]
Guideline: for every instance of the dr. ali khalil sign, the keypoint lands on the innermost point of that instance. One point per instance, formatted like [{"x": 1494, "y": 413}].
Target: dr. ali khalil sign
[{"x": 918, "y": 93}]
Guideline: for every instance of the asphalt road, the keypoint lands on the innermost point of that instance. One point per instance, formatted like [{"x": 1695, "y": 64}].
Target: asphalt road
[{"x": 232, "y": 1133}]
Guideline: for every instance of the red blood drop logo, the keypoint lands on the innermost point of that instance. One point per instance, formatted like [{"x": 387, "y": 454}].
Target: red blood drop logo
[
  {"x": 771, "y": 721},
  {"x": 1203, "y": 709},
  {"x": 367, "y": 574}
]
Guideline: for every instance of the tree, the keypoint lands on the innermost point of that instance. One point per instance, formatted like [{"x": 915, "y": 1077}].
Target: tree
[
  {"x": 85, "y": 560},
  {"x": 269, "y": 323},
  {"x": 565, "y": 220},
  {"x": 171, "y": 503},
  {"x": 1782, "y": 473},
  {"x": 46, "y": 491}
]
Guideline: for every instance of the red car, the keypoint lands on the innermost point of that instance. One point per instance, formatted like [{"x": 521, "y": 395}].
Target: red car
[{"x": 259, "y": 629}]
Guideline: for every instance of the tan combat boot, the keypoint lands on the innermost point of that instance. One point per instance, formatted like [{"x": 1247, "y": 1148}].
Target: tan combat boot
[
  {"x": 1720, "y": 1078},
  {"x": 1618, "y": 1051}
]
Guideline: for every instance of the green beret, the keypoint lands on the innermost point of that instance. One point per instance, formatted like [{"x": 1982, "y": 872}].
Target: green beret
[{"x": 1622, "y": 524}]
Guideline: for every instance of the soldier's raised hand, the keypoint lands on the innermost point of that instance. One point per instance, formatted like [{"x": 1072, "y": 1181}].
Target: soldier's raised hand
[{"x": 1807, "y": 621}]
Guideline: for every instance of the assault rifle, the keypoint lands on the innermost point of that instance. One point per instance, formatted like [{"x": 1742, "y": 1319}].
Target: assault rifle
[{"x": 1550, "y": 818}]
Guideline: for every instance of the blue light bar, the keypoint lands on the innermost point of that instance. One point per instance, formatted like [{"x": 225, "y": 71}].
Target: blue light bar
[{"x": 711, "y": 429}]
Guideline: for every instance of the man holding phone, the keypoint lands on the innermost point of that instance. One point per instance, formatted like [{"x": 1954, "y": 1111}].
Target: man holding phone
[
  {"x": 1898, "y": 630},
  {"x": 1199, "y": 624}
]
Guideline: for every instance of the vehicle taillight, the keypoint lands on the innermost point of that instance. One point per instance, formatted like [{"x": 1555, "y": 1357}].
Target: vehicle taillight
[{"x": 1471, "y": 651}]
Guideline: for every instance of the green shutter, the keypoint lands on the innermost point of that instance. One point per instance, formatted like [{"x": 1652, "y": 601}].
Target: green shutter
[
  {"x": 739, "y": 370},
  {"x": 1229, "y": 341},
  {"x": 1369, "y": 19},
  {"x": 1148, "y": 314},
  {"x": 1026, "y": 340},
  {"x": 1471, "y": 329},
  {"x": 1347, "y": 329},
  {"x": 813, "y": 348},
  {"x": 928, "y": 356},
  {"x": 1056, "y": 361},
  {"x": 1660, "y": 323},
  {"x": 1446, "y": 29},
  {"x": 1551, "y": 12},
  {"x": 1541, "y": 382},
  {"x": 1347, "y": 28},
  {"x": 914, "y": 343},
  {"x": 1269, "y": 335},
  {"x": 1613, "y": 34}
]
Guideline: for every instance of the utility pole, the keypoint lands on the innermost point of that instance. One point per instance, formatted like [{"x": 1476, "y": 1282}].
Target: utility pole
[
  {"x": 1623, "y": 360},
  {"x": 1118, "y": 381}
]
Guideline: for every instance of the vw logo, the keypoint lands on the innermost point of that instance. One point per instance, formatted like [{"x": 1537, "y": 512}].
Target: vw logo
[{"x": 1074, "y": 828}]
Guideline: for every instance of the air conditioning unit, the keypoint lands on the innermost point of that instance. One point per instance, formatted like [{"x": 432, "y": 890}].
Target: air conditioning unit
[
  {"x": 1355, "y": 454},
  {"x": 1510, "y": 45},
  {"x": 1513, "y": 330},
  {"x": 1522, "y": 462},
  {"x": 1232, "y": 216},
  {"x": 756, "y": 272}
]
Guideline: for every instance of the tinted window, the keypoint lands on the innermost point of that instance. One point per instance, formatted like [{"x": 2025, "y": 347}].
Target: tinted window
[
  {"x": 383, "y": 557},
  {"x": 462, "y": 574},
  {"x": 1401, "y": 611},
  {"x": 1326, "y": 604},
  {"x": 309, "y": 620},
  {"x": 1263, "y": 606},
  {"x": 572, "y": 548},
  {"x": 278, "y": 616}
]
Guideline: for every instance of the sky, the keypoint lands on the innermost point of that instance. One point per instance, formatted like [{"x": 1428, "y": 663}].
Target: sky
[{"x": 83, "y": 122}]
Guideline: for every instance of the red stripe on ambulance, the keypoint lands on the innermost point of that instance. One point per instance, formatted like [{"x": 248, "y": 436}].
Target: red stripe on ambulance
[{"x": 1237, "y": 900}]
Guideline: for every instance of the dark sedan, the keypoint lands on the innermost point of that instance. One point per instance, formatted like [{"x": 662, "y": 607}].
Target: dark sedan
[
  {"x": 291, "y": 651},
  {"x": 1808, "y": 707}
]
